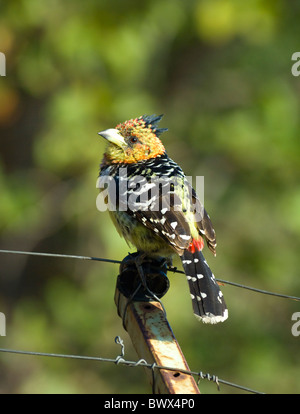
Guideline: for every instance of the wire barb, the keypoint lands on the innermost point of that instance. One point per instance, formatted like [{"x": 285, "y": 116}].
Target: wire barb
[
  {"x": 153, "y": 366},
  {"x": 208, "y": 377},
  {"x": 140, "y": 362},
  {"x": 120, "y": 358},
  {"x": 122, "y": 361}
]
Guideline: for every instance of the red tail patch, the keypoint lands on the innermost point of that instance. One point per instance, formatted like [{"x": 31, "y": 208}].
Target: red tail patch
[{"x": 196, "y": 245}]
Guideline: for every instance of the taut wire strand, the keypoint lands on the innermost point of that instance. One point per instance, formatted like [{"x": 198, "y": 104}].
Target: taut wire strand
[
  {"x": 172, "y": 269},
  {"x": 121, "y": 360}
]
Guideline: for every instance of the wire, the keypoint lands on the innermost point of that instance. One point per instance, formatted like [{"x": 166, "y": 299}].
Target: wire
[
  {"x": 172, "y": 269},
  {"x": 265, "y": 292},
  {"x": 63, "y": 256},
  {"x": 120, "y": 360}
]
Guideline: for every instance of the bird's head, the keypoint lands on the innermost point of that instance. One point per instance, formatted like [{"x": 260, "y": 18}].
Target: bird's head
[{"x": 134, "y": 140}]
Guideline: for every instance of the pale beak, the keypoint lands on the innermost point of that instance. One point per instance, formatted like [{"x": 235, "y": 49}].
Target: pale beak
[{"x": 113, "y": 135}]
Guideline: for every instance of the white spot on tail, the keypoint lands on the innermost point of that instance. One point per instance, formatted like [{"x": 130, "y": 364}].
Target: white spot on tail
[
  {"x": 174, "y": 224},
  {"x": 185, "y": 237},
  {"x": 163, "y": 220},
  {"x": 213, "y": 319}
]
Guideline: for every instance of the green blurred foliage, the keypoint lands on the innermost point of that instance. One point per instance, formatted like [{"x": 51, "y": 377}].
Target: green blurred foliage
[{"x": 220, "y": 71}]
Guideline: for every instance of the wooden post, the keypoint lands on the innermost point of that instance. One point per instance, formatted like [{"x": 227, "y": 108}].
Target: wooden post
[{"x": 154, "y": 341}]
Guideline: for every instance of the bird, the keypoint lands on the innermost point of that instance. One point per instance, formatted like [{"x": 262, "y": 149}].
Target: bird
[{"x": 156, "y": 209}]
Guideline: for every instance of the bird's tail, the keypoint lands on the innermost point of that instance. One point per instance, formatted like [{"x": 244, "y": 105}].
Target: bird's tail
[{"x": 207, "y": 298}]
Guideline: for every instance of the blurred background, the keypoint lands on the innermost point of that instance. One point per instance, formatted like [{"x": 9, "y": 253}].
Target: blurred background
[{"x": 220, "y": 71}]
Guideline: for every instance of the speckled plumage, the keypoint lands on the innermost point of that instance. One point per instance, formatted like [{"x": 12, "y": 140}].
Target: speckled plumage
[{"x": 162, "y": 220}]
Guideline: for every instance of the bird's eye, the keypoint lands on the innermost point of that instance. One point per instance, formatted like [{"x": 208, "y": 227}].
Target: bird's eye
[{"x": 133, "y": 140}]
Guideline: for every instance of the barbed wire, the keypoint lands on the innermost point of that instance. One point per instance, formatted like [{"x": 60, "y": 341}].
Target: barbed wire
[
  {"x": 171, "y": 269},
  {"x": 141, "y": 362},
  {"x": 120, "y": 360}
]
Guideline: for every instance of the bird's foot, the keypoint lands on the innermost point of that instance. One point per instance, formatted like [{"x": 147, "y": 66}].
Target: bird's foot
[{"x": 144, "y": 274}]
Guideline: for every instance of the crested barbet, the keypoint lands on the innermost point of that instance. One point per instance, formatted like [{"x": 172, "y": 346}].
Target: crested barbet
[{"x": 155, "y": 208}]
